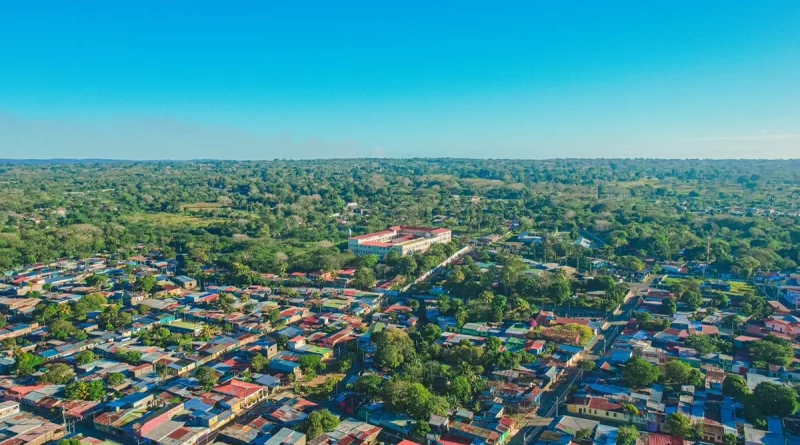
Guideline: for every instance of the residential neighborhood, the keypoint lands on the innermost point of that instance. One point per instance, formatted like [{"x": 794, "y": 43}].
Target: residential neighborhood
[{"x": 106, "y": 350}]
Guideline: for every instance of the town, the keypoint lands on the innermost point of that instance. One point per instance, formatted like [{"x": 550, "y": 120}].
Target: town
[{"x": 111, "y": 349}]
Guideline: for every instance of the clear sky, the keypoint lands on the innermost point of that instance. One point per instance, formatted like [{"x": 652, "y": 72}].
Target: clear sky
[{"x": 304, "y": 79}]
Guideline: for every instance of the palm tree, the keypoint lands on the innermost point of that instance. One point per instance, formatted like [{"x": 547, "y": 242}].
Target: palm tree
[
  {"x": 64, "y": 310},
  {"x": 209, "y": 331}
]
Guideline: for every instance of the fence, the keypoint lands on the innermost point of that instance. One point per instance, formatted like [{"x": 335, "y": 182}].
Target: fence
[{"x": 438, "y": 268}]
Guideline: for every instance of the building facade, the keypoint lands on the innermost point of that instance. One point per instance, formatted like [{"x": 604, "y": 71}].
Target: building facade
[{"x": 401, "y": 239}]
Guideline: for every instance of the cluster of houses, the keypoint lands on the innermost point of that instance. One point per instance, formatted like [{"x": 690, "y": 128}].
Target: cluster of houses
[
  {"x": 161, "y": 399},
  {"x": 601, "y": 403}
]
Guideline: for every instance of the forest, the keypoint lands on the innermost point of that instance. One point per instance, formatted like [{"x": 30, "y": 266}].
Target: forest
[{"x": 282, "y": 216}]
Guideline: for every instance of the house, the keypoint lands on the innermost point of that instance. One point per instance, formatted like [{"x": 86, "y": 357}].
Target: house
[
  {"x": 790, "y": 294},
  {"x": 183, "y": 327},
  {"x": 598, "y": 407},
  {"x": 673, "y": 268},
  {"x": 186, "y": 282},
  {"x": 17, "y": 427},
  {"x": 778, "y": 308},
  {"x": 286, "y": 436},
  {"x": 783, "y": 326},
  {"x": 243, "y": 395},
  {"x": 536, "y": 347}
]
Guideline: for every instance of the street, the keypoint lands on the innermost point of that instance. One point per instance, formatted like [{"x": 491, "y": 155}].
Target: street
[{"x": 551, "y": 400}]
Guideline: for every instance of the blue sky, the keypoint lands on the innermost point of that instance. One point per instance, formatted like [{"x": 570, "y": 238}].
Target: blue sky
[{"x": 305, "y": 79}]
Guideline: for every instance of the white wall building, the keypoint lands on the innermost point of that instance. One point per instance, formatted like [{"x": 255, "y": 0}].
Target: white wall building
[{"x": 401, "y": 239}]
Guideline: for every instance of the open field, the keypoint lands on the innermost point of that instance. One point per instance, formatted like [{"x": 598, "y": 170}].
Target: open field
[
  {"x": 202, "y": 206},
  {"x": 172, "y": 219}
]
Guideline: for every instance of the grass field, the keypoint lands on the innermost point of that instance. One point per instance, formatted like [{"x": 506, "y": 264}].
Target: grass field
[
  {"x": 172, "y": 219},
  {"x": 202, "y": 206},
  {"x": 739, "y": 288}
]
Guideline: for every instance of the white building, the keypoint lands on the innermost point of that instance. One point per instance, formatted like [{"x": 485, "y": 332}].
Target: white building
[{"x": 401, "y": 239}]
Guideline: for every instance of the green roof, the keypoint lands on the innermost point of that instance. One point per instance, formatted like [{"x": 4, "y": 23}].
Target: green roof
[
  {"x": 319, "y": 350},
  {"x": 186, "y": 325}
]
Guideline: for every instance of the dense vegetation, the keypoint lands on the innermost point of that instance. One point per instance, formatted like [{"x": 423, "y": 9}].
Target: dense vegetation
[{"x": 290, "y": 215}]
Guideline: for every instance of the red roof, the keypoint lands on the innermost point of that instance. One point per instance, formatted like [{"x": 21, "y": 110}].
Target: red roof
[
  {"x": 376, "y": 244},
  {"x": 599, "y": 403},
  {"x": 663, "y": 439},
  {"x": 370, "y": 235},
  {"x": 449, "y": 439},
  {"x": 567, "y": 320},
  {"x": 238, "y": 388},
  {"x": 177, "y": 434}
]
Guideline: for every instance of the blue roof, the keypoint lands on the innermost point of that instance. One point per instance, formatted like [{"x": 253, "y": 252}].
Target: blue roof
[
  {"x": 197, "y": 405},
  {"x": 268, "y": 380},
  {"x": 290, "y": 331},
  {"x": 130, "y": 400},
  {"x": 49, "y": 353},
  {"x": 570, "y": 348},
  {"x": 775, "y": 425},
  {"x": 608, "y": 389},
  {"x": 283, "y": 365}
]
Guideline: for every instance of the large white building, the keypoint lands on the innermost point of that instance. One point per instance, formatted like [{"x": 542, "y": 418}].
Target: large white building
[{"x": 401, "y": 239}]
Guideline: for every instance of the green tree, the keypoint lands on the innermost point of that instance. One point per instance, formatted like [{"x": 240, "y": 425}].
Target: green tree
[
  {"x": 430, "y": 333},
  {"x": 559, "y": 291},
  {"x": 369, "y": 386},
  {"x": 310, "y": 364},
  {"x": 692, "y": 299},
  {"x": 639, "y": 373},
  {"x": 680, "y": 373},
  {"x": 421, "y": 429},
  {"x": 461, "y": 389},
  {"x": 98, "y": 280},
  {"x": 413, "y": 399},
  {"x": 735, "y": 386},
  {"x": 259, "y": 363},
  {"x": 461, "y": 317},
  {"x": 627, "y": 435},
  {"x": 319, "y": 422},
  {"x": 58, "y": 374},
  {"x": 146, "y": 283},
  {"x": 630, "y": 409},
  {"x": 274, "y": 315},
  {"x": 115, "y": 379},
  {"x": 669, "y": 306},
  {"x": 85, "y": 357},
  {"x": 772, "y": 350},
  {"x": 364, "y": 279},
  {"x": 26, "y": 363},
  {"x": 443, "y": 302},
  {"x": 207, "y": 377},
  {"x": 774, "y": 400},
  {"x": 679, "y": 425},
  {"x": 703, "y": 344},
  {"x": 394, "y": 348}
]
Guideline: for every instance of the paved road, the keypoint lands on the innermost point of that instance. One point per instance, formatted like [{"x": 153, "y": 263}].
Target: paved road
[{"x": 552, "y": 400}]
